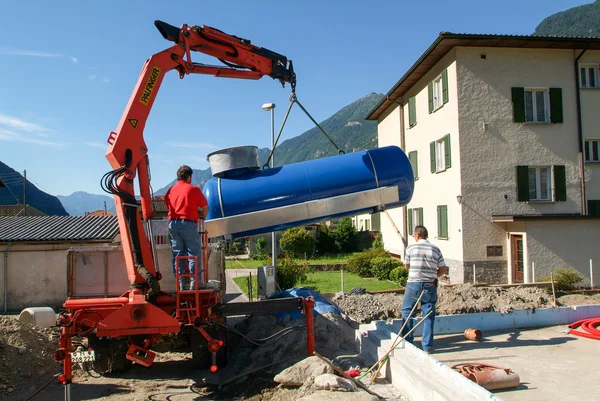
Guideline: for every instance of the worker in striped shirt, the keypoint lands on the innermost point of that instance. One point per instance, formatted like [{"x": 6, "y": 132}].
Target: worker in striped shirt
[{"x": 425, "y": 264}]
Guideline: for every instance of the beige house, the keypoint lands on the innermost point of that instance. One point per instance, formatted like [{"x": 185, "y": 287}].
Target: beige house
[{"x": 503, "y": 135}]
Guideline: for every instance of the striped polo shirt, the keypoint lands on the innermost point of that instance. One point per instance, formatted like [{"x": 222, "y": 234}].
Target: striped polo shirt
[{"x": 424, "y": 259}]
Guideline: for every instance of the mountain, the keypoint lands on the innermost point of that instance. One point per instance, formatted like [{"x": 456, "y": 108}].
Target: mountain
[
  {"x": 78, "y": 203},
  {"x": 348, "y": 129},
  {"x": 577, "y": 21},
  {"x": 11, "y": 193}
]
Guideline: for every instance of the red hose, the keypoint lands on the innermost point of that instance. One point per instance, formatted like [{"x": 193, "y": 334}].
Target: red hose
[{"x": 589, "y": 327}]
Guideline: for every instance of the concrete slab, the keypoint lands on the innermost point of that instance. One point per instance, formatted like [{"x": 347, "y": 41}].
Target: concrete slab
[{"x": 551, "y": 364}]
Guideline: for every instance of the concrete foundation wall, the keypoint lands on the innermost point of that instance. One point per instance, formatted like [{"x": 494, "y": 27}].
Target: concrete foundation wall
[{"x": 486, "y": 271}]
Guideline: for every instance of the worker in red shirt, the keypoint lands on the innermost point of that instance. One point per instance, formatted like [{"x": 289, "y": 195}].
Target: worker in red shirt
[{"x": 186, "y": 204}]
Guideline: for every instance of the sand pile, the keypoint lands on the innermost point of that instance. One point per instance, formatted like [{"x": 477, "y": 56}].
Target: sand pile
[{"x": 26, "y": 360}]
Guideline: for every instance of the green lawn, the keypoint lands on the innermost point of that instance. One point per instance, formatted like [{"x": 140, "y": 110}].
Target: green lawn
[
  {"x": 253, "y": 264},
  {"x": 328, "y": 282}
]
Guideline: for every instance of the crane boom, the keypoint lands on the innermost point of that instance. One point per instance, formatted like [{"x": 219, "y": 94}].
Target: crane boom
[{"x": 127, "y": 152}]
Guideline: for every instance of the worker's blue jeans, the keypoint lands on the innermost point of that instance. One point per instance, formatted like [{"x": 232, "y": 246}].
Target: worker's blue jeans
[
  {"x": 185, "y": 241},
  {"x": 411, "y": 295}
]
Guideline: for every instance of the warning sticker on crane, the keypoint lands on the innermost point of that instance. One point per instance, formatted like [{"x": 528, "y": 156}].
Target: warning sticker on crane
[
  {"x": 149, "y": 88},
  {"x": 133, "y": 122}
]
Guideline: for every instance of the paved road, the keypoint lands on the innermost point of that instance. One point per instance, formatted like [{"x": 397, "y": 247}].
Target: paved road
[{"x": 234, "y": 293}]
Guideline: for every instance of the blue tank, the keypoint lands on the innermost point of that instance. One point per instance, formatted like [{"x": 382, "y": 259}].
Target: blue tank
[{"x": 312, "y": 180}]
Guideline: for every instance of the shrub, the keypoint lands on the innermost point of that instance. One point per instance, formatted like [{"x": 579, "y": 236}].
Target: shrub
[
  {"x": 297, "y": 242},
  {"x": 382, "y": 266},
  {"x": 346, "y": 236},
  {"x": 360, "y": 263},
  {"x": 326, "y": 241},
  {"x": 378, "y": 241},
  {"x": 289, "y": 273},
  {"x": 399, "y": 275},
  {"x": 565, "y": 279}
]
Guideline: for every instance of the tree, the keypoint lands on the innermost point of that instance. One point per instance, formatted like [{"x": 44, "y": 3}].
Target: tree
[
  {"x": 326, "y": 241},
  {"x": 297, "y": 242},
  {"x": 346, "y": 236}
]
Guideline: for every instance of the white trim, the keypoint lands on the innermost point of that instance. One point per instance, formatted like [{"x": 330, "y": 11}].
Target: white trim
[
  {"x": 438, "y": 84},
  {"x": 585, "y": 145},
  {"x": 550, "y": 191},
  {"x": 594, "y": 68},
  {"x": 533, "y": 105}
]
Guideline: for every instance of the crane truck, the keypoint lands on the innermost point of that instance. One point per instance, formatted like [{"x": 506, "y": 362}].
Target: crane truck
[{"x": 122, "y": 330}]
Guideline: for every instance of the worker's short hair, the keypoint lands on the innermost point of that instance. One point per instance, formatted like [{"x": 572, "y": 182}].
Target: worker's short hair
[
  {"x": 421, "y": 231},
  {"x": 184, "y": 172}
]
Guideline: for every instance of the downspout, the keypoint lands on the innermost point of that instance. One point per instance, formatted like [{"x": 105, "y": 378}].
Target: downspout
[
  {"x": 580, "y": 131},
  {"x": 6, "y": 277}
]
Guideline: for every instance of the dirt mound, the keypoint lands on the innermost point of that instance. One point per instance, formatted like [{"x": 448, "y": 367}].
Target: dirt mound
[
  {"x": 452, "y": 300},
  {"x": 578, "y": 299},
  {"x": 334, "y": 335},
  {"x": 25, "y": 357}
]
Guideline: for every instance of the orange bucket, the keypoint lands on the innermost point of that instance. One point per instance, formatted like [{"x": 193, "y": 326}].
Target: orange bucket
[{"x": 473, "y": 334}]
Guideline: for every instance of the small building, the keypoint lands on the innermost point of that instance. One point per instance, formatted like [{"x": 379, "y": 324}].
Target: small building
[
  {"x": 19, "y": 210},
  {"x": 502, "y": 134},
  {"x": 34, "y": 250}
]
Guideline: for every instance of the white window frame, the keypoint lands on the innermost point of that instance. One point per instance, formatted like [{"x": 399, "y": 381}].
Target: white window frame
[
  {"x": 534, "y": 104},
  {"x": 588, "y": 150},
  {"x": 585, "y": 77},
  {"x": 440, "y": 156},
  {"x": 550, "y": 191},
  {"x": 438, "y": 93},
  {"x": 367, "y": 225}
]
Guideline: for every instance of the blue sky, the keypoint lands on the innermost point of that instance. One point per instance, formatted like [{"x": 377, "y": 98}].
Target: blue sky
[{"x": 67, "y": 69}]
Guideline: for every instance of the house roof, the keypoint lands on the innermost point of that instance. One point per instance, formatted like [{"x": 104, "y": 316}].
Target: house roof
[
  {"x": 159, "y": 205},
  {"x": 99, "y": 213},
  {"x": 19, "y": 210},
  {"x": 58, "y": 228},
  {"x": 447, "y": 41}
]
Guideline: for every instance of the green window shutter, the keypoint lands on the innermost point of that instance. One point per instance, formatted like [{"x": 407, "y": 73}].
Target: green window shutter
[
  {"x": 414, "y": 162},
  {"x": 432, "y": 156},
  {"x": 522, "y": 183},
  {"x": 560, "y": 183},
  {"x": 430, "y": 92},
  {"x": 445, "y": 86},
  {"x": 447, "y": 151},
  {"x": 420, "y": 216},
  {"x": 518, "y": 100},
  {"x": 412, "y": 111},
  {"x": 593, "y": 208},
  {"x": 556, "y": 109},
  {"x": 442, "y": 221},
  {"x": 410, "y": 222}
]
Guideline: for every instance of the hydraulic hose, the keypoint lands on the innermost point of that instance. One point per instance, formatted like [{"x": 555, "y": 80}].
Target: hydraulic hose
[{"x": 589, "y": 327}]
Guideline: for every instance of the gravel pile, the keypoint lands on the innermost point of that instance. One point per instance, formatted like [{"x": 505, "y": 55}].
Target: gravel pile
[{"x": 26, "y": 360}]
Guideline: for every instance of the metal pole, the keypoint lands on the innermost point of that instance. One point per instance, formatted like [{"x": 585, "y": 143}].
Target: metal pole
[
  {"x": 342, "y": 270},
  {"x": 474, "y": 275},
  {"x": 25, "y": 191},
  {"x": 68, "y": 392},
  {"x": 273, "y": 241},
  {"x": 6, "y": 278},
  {"x": 533, "y": 272},
  {"x": 591, "y": 275}
]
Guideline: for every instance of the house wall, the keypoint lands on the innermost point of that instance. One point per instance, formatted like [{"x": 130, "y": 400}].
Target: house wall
[
  {"x": 560, "y": 244},
  {"x": 590, "y": 99},
  {"x": 388, "y": 133},
  {"x": 490, "y": 155}
]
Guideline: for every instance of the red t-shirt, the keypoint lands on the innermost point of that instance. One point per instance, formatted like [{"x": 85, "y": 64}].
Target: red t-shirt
[{"x": 183, "y": 201}]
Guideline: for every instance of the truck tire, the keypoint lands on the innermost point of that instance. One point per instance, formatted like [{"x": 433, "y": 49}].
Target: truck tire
[{"x": 200, "y": 354}]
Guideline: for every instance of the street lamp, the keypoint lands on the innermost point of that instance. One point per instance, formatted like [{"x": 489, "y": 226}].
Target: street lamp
[{"x": 271, "y": 107}]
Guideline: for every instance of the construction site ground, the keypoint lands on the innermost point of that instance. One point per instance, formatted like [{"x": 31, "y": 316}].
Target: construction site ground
[
  {"x": 552, "y": 365},
  {"x": 26, "y": 361}
]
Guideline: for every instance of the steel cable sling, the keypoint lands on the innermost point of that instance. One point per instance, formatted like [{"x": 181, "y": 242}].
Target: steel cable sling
[{"x": 294, "y": 99}]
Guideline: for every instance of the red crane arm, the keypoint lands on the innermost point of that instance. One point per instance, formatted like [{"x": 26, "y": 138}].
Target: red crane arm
[{"x": 127, "y": 151}]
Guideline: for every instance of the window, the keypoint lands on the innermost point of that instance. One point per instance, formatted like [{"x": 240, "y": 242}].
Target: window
[
  {"x": 412, "y": 111},
  {"x": 442, "y": 217},
  {"x": 537, "y": 105},
  {"x": 414, "y": 163},
  {"x": 440, "y": 154},
  {"x": 415, "y": 218},
  {"x": 588, "y": 76},
  {"x": 367, "y": 225},
  {"x": 593, "y": 208},
  {"x": 541, "y": 183},
  {"x": 591, "y": 150},
  {"x": 438, "y": 92}
]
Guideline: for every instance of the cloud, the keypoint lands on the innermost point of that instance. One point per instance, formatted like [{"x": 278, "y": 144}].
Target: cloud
[
  {"x": 92, "y": 76},
  {"x": 106, "y": 80},
  {"x": 96, "y": 145},
  {"x": 194, "y": 145},
  {"x": 35, "y": 53},
  {"x": 18, "y": 124},
  {"x": 11, "y": 136}
]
